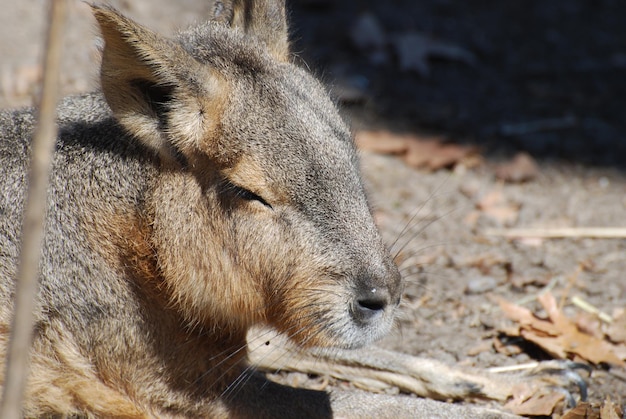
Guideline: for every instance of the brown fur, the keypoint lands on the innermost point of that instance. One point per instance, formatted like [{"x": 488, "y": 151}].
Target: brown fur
[{"x": 209, "y": 188}]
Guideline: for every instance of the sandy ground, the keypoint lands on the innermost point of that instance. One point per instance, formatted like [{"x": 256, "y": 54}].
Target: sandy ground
[{"x": 455, "y": 271}]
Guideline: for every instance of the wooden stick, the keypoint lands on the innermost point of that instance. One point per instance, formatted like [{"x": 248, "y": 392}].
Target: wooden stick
[
  {"x": 584, "y": 305},
  {"x": 562, "y": 232},
  {"x": 18, "y": 354},
  {"x": 513, "y": 368}
]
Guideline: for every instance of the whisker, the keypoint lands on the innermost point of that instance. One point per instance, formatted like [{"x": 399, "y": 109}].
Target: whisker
[
  {"x": 417, "y": 211},
  {"x": 421, "y": 230},
  {"x": 246, "y": 374},
  {"x": 426, "y": 247}
]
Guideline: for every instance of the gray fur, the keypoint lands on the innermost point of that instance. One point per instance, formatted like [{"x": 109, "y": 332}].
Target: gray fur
[{"x": 158, "y": 255}]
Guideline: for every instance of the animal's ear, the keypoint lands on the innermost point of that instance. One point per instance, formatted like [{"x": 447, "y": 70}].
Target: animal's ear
[
  {"x": 157, "y": 91},
  {"x": 264, "y": 19}
]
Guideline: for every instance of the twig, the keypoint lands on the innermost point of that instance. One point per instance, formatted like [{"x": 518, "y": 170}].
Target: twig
[
  {"x": 584, "y": 305},
  {"x": 563, "y": 232},
  {"x": 549, "y": 287},
  {"x": 513, "y": 368},
  {"x": 18, "y": 355}
]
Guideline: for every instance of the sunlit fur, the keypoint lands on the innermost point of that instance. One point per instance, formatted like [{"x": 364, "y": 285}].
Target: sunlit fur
[{"x": 210, "y": 187}]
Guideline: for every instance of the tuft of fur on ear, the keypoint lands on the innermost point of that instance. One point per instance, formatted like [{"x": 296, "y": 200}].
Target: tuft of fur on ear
[
  {"x": 156, "y": 90},
  {"x": 264, "y": 19}
]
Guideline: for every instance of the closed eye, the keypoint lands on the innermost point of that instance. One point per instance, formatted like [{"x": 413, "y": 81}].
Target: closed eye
[{"x": 247, "y": 195}]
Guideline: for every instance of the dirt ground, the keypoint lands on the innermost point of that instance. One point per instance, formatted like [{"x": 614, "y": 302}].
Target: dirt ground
[{"x": 547, "y": 78}]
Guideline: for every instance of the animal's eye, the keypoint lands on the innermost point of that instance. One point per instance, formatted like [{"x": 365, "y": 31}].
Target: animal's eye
[{"x": 247, "y": 195}]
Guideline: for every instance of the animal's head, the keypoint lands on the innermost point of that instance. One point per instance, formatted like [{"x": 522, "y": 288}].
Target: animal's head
[{"x": 259, "y": 212}]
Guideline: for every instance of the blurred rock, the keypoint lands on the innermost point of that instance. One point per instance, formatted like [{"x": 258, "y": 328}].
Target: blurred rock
[{"x": 480, "y": 284}]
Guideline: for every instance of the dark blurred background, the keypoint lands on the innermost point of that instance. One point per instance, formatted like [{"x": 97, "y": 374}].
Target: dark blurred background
[{"x": 547, "y": 77}]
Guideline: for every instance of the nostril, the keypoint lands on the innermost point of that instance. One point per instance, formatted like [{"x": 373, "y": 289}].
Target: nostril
[{"x": 372, "y": 304}]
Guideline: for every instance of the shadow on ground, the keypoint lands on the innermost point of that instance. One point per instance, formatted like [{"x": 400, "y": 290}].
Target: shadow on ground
[{"x": 545, "y": 77}]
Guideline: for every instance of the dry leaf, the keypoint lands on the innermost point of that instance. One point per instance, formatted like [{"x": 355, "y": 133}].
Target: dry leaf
[
  {"x": 420, "y": 152},
  {"x": 485, "y": 261},
  {"x": 559, "y": 336},
  {"x": 620, "y": 351},
  {"x": 583, "y": 410},
  {"x": 535, "y": 404},
  {"x": 549, "y": 344},
  {"x": 382, "y": 142},
  {"x": 521, "y": 281},
  {"x": 423, "y": 153},
  {"x": 516, "y": 313},
  {"x": 439, "y": 155},
  {"x": 495, "y": 206},
  {"x": 574, "y": 341},
  {"x": 506, "y": 348},
  {"x": 521, "y": 169},
  {"x": 589, "y": 324},
  {"x": 617, "y": 330},
  {"x": 610, "y": 410}
]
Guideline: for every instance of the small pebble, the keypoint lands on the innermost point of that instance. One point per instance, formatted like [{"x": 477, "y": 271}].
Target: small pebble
[
  {"x": 604, "y": 182},
  {"x": 480, "y": 284}
]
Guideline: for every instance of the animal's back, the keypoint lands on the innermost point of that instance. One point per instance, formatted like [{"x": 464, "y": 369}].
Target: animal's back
[
  {"x": 16, "y": 126},
  {"x": 94, "y": 162},
  {"x": 95, "y": 166}
]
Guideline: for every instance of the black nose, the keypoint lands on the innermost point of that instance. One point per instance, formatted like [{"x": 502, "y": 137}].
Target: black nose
[{"x": 370, "y": 303}]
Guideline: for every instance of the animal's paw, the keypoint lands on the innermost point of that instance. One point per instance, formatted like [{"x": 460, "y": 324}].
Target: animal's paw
[{"x": 538, "y": 389}]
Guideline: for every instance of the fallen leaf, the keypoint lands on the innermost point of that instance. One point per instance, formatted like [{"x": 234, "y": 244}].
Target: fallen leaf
[
  {"x": 418, "y": 152},
  {"x": 617, "y": 330},
  {"x": 549, "y": 344},
  {"x": 421, "y": 152},
  {"x": 521, "y": 281},
  {"x": 494, "y": 205},
  {"x": 521, "y": 169},
  {"x": 537, "y": 404},
  {"x": 506, "y": 348},
  {"x": 582, "y": 410},
  {"x": 486, "y": 261},
  {"x": 589, "y": 324},
  {"x": 435, "y": 155},
  {"x": 414, "y": 51},
  {"x": 610, "y": 410},
  {"x": 517, "y": 313},
  {"x": 382, "y": 142},
  {"x": 559, "y": 336},
  {"x": 574, "y": 341},
  {"x": 620, "y": 350}
]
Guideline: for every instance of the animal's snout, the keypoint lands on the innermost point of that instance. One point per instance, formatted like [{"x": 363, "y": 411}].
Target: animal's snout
[
  {"x": 370, "y": 303},
  {"x": 376, "y": 296}
]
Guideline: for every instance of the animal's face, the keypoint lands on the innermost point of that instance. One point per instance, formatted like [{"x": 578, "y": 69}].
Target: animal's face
[
  {"x": 259, "y": 212},
  {"x": 300, "y": 213}
]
